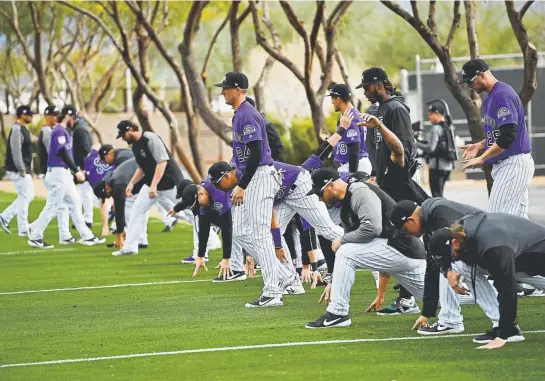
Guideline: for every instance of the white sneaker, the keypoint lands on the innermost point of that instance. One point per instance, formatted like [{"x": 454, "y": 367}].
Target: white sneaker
[
  {"x": 121, "y": 252},
  {"x": 296, "y": 288},
  {"x": 69, "y": 241},
  {"x": 439, "y": 329},
  {"x": 93, "y": 241},
  {"x": 265, "y": 301}
]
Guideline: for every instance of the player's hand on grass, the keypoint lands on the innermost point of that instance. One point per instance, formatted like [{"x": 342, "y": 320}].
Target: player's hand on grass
[
  {"x": 472, "y": 163},
  {"x": 471, "y": 150},
  {"x": 454, "y": 282},
  {"x": 346, "y": 118},
  {"x": 494, "y": 344},
  {"x": 225, "y": 269},
  {"x": 422, "y": 321},
  {"x": 249, "y": 267},
  {"x": 128, "y": 190},
  {"x": 237, "y": 197},
  {"x": 199, "y": 265},
  {"x": 119, "y": 241},
  {"x": 326, "y": 295},
  {"x": 316, "y": 277},
  {"x": 369, "y": 121},
  {"x": 306, "y": 276},
  {"x": 376, "y": 305},
  {"x": 280, "y": 254},
  {"x": 105, "y": 231},
  {"x": 335, "y": 245}
]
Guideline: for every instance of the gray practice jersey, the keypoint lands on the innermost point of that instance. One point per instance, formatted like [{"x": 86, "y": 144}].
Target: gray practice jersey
[{"x": 366, "y": 205}]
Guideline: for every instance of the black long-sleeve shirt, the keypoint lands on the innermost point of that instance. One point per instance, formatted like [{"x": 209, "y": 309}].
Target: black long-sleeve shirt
[
  {"x": 82, "y": 141},
  {"x": 224, "y": 222}
]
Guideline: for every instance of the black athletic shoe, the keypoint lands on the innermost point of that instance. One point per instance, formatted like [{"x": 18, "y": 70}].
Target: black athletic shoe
[
  {"x": 237, "y": 275},
  {"x": 88, "y": 224},
  {"x": 39, "y": 244},
  {"x": 266, "y": 301},
  {"x": 142, "y": 246},
  {"x": 330, "y": 320},
  {"x": 169, "y": 228},
  {"x": 491, "y": 334},
  {"x": 4, "y": 225}
]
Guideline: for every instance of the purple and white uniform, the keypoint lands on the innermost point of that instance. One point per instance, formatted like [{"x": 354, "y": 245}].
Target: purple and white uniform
[
  {"x": 354, "y": 134},
  {"x": 513, "y": 169},
  {"x": 96, "y": 169}
]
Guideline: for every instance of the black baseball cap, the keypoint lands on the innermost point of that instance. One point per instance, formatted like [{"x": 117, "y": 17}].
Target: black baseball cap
[
  {"x": 440, "y": 243},
  {"x": 104, "y": 149},
  {"x": 124, "y": 126},
  {"x": 51, "y": 110},
  {"x": 401, "y": 211},
  {"x": 234, "y": 79},
  {"x": 181, "y": 186},
  {"x": 190, "y": 199},
  {"x": 100, "y": 190},
  {"x": 23, "y": 110},
  {"x": 472, "y": 68},
  {"x": 437, "y": 108},
  {"x": 218, "y": 171},
  {"x": 321, "y": 178},
  {"x": 372, "y": 75},
  {"x": 340, "y": 90},
  {"x": 69, "y": 110}
]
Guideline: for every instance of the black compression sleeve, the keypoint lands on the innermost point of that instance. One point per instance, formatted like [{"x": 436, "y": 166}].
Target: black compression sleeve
[
  {"x": 68, "y": 160},
  {"x": 251, "y": 165},
  {"x": 353, "y": 157},
  {"x": 431, "y": 288},
  {"x": 508, "y": 134},
  {"x": 118, "y": 194},
  {"x": 329, "y": 255},
  {"x": 227, "y": 233},
  {"x": 204, "y": 232},
  {"x": 324, "y": 150},
  {"x": 179, "y": 207}
]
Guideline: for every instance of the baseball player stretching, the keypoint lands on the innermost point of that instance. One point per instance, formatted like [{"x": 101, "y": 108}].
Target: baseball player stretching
[
  {"x": 254, "y": 195},
  {"x": 507, "y": 247},
  {"x": 18, "y": 162},
  {"x": 351, "y": 152},
  {"x": 61, "y": 189},
  {"x": 506, "y": 145},
  {"x": 44, "y": 142},
  {"x": 159, "y": 174},
  {"x": 369, "y": 242}
]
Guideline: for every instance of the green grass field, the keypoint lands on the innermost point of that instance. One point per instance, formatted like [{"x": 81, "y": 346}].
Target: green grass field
[{"x": 154, "y": 317}]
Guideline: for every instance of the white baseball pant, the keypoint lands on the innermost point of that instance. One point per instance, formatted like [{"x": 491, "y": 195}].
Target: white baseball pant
[
  {"x": 237, "y": 257},
  {"x": 512, "y": 178},
  {"x": 364, "y": 165},
  {"x": 129, "y": 202},
  {"x": 63, "y": 217},
  {"x": 87, "y": 196},
  {"x": 62, "y": 190},
  {"x": 19, "y": 207},
  {"x": 374, "y": 255}
]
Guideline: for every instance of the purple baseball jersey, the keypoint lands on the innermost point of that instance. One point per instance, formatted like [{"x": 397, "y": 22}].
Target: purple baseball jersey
[
  {"x": 503, "y": 106},
  {"x": 249, "y": 126},
  {"x": 96, "y": 169},
  {"x": 60, "y": 138},
  {"x": 289, "y": 176},
  {"x": 354, "y": 134},
  {"x": 219, "y": 201}
]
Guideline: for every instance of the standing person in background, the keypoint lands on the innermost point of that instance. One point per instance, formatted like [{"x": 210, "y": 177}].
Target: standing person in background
[
  {"x": 506, "y": 145},
  {"x": 82, "y": 140},
  {"x": 18, "y": 163},
  {"x": 437, "y": 149}
]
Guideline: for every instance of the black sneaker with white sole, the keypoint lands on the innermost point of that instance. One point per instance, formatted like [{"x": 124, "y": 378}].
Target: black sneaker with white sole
[
  {"x": 4, "y": 225},
  {"x": 400, "y": 306},
  {"x": 93, "y": 241},
  {"x": 237, "y": 276},
  {"x": 39, "y": 244},
  {"x": 439, "y": 329},
  {"x": 330, "y": 320},
  {"x": 493, "y": 333},
  {"x": 266, "y": 301},
  {"x": 69, "y": 241}
]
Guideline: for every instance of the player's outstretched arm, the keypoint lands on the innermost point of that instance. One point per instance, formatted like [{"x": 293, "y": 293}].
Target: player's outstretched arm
[{"x": 392, "y": 141}]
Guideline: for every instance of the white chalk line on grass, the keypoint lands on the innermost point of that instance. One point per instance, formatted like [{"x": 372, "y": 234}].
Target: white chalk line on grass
[
  {"x": 35, "y": 251},
  {"x": 242, "y": 347}
]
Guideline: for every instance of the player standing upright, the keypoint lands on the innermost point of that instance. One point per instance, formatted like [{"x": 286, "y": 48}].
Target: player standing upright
[
  {"x": 18, "y": 162},
  {"x": 506, "y": 145},
  {"x": 254, "y": 195}
]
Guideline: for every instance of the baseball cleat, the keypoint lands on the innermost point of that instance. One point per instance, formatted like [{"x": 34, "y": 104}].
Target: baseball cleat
[
  {"x": 191, "y": 260},
  {"x": 69, "y": 241},
  {"x": 265, "y": 301},
  {"x": 168, "y": 229},
  {"x": 439, "y": 329},
  {"x": 39, "y": 244},
  {"x": 122, "y": 252},
  {"x": 400, "y": 306},
  {"x": 493, "y": 333},
  {"x": 93, "y": 241},
  {"x": 237, "y": 275},
  {"x": 330, "y": 320},
  {"x": 4, "y": 225}
]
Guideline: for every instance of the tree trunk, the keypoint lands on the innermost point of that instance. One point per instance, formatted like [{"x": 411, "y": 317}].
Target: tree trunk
[
  {"x": 3, "y": 128},
  {"x": 235, "y": 40}
]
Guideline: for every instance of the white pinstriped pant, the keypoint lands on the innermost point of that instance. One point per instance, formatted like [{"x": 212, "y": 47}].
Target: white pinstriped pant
[
  {"x": 364, "y": 165},
  {"x": 252, "y": 226},
  {"x": 512, "y": 178},
  {"x": 374, "y": 255}
]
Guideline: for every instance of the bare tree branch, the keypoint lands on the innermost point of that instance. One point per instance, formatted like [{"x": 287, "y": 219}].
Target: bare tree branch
[
  {"x": 235, "y": 38},
  {"x": 318, "y": 18},
  {"x": 432, "y": 24},
  {"x": 524, "y": 9},
  {"x": 212, "y": 43},
  {"x": 456, "y": 17},
  {"x": 414, "y": 7},
  {"x": 471, "y": 29}
]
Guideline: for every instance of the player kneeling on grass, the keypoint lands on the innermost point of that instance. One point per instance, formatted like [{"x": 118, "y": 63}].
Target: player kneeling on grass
[
  {"x": 212, "y": 207},
  {"x": 508, "y": 248},
  {"x": 370, "y": 241}
]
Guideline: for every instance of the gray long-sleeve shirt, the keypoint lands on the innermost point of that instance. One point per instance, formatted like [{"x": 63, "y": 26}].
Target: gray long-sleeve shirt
[
  {"x": 363, "y": 221},
  {"x": 435, "y": 134},
  {"x": 16, "y": 141}
]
